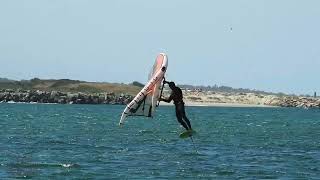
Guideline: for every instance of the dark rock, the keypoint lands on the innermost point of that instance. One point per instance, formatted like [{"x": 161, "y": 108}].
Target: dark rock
[{"x": 61, "y": 97}]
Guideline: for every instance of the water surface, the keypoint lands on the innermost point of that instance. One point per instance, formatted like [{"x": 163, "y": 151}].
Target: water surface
[{"x": 42, "y": 141}]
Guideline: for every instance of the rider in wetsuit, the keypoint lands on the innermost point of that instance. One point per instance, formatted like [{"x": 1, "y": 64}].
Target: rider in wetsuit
[{"x": 177, "y": 97}]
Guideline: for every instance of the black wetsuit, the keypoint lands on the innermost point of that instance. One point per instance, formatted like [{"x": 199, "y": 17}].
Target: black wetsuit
[{"x": 176, "y": 96}]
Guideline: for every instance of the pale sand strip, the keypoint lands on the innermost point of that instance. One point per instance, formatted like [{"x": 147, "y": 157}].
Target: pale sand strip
[
  {"x": 221, "y": 99},
  {"x": 189, "y": 103},
  {"x": 225, "y": 104}
]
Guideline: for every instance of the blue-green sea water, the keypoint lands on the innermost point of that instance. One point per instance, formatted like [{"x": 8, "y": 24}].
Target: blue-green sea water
[{"x": 42, "y": 141}]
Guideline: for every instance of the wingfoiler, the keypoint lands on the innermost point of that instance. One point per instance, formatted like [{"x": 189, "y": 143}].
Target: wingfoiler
[{"x": 145, "y": 101}]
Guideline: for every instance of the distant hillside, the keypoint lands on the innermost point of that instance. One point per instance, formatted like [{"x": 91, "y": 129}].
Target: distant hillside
[
  {"x": 67, "y": 85},
  {"x": 5, "y": 80}
]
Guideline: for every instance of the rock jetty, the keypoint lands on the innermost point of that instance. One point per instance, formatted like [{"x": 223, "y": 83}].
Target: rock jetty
[
  {"x": 37, "y": 96},
  {"x": 304, "y": 102},
  {"x": 205, "y": 98}
]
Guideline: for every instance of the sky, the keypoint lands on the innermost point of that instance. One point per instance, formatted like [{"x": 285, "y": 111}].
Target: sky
[{"x": 268, "y": 45}]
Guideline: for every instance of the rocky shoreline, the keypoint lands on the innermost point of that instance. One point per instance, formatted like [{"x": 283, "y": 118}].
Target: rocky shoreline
[
  {"x": 191, "y": 97},
  {"x": 304, "y": 102},
  {"x": 37, "y": 96}
]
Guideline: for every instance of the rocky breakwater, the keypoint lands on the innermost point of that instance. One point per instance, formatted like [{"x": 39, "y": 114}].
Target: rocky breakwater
[
  {"x": 29, "y": 96},
  {"x": 304, "y": 102}
]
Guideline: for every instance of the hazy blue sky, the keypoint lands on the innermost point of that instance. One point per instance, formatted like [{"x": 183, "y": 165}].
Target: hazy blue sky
[{"x": 274, "y": 45}]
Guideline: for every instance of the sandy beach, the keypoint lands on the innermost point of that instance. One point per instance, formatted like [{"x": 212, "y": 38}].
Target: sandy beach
[
  {"x": 223, "y": 99},
  {"x": 211, "y": 104},
  {"x": 227, "y": 99},
  {"x": 190, "y": 103}
]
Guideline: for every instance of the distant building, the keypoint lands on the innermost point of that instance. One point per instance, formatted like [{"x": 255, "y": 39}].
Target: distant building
[{"x": 315, "y": 94}]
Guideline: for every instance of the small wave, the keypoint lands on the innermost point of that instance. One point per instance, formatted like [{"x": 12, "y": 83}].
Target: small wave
[
  {"x": 30, "y": 116},
  {"x": 51, "y": 141},
  {"x": 163, "y": 140},
  {"x": 42, "y": 165},
  {"x": 69, "y": 165},
  {"x": 57, "y": 142},
  {"x": 82, "y": 122},
  {"x": 122, "y": 150},
  {"x": 145, "y": 132}
]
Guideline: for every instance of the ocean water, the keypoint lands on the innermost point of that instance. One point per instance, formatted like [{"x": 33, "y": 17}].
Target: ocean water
[{"x": 42, "y": 141}]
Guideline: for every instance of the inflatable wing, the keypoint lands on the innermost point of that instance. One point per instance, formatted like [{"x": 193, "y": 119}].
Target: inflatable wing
[{"x": 146, "y": 100}]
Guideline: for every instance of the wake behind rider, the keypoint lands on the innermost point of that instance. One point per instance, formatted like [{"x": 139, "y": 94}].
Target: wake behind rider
[{"x": 177, "y": 97}]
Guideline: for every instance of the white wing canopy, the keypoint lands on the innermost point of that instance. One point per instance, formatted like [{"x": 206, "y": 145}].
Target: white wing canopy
[{"x": 145, "y": 101}]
